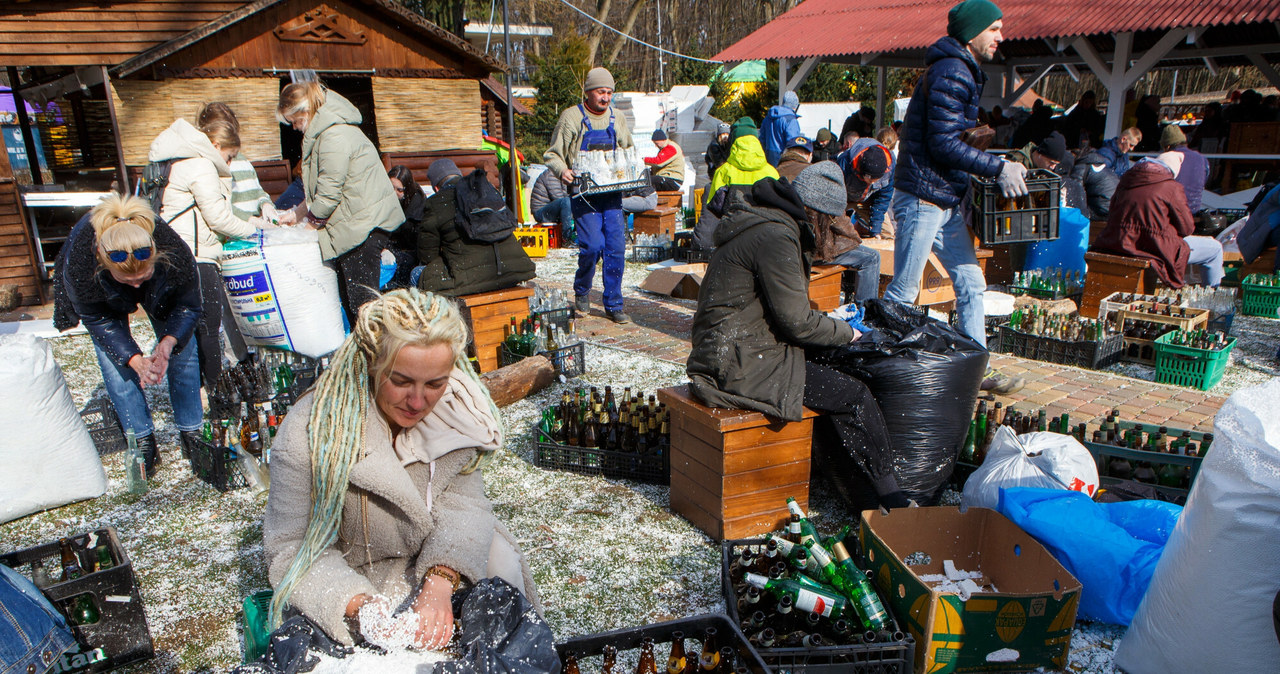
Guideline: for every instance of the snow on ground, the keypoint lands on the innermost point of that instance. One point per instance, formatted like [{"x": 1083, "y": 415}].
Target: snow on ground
[{"x": 606, "y": 554}]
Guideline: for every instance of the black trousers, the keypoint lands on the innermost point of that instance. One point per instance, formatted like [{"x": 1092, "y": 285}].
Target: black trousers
[
  {"x": 359, "y": 270},
  {"x": 216, "y": 313},
  {"x": 666, "y": 184},
  {"x": 851, "y": 440}
]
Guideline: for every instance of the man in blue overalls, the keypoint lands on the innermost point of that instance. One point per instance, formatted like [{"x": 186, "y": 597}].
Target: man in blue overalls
[{"x": 593, "y": 125}]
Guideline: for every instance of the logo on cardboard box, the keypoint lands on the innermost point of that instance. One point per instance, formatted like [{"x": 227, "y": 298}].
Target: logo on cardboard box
[{"x": 1010, "y": 621}]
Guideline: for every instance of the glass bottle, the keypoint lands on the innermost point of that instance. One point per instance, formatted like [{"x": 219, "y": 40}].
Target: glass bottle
[
  {"x": 136, "y": 469},
  {"x": 808, "y": 599},
  {"x": 709, "y": 658},
  {"x": 678, "y": 660},
  {"x": 646, "y": 664}
]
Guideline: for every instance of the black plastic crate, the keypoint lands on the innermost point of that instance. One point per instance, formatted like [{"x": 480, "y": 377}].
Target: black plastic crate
[
  {"x": 727, "y": 634},
  {"x": 1033, "y": 217},
  {"x": 692, "y": 255},
  {"x": 121, "y": 635},
  {"x": 652, "y": 468},
  {"x": 648, "y": 254},
  {"x": 216, "y": 466},
  {"x": 570, "y": 361},
  {"x": 1090, "y": 354},
  {"x": 104, "y": 426},
  {"x": 894, "y": 655}
]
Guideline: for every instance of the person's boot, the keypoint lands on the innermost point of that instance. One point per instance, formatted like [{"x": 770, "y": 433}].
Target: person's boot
[
  {"x": 188, "y": 440},
  {"x": 582, "y": 304},
  {"x": 150, "y": 454},
  {"x": 617, "y": 315},
  {"x": 1000, "y": 384}
]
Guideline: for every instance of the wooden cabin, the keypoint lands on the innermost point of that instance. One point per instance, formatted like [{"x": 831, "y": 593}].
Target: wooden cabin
[{"x": 107, "y": 76}]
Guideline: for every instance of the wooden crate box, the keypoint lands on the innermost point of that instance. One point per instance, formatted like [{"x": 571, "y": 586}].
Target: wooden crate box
[
  {"x": 824, "y": 287},
  {"x": 670, "y": 199},
  {"x": 732, "y": 470},
  {"x": 1113, "y": 273},
  {"x": 488, "y": 314},
  {"x": 657, "y": 221}
]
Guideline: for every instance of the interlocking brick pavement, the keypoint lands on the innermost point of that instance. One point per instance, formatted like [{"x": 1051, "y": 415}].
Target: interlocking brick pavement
[{"x": 660, "y": 328}]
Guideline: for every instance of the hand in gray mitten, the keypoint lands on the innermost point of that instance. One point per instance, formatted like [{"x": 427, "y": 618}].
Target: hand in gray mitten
[{"x": 1012, "y": 180}]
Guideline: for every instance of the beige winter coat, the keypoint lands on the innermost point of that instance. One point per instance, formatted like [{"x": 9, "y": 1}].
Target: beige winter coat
[
  {"x": 388, "y": 538},
  {"x": 344, "y": 179},
  {"x": 199, "y": 176}
]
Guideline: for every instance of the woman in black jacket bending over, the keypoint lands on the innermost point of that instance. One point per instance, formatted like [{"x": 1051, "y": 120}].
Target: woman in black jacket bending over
[
  {"x": 404, "y": 241},
  {"x": 117, "y": 258}
]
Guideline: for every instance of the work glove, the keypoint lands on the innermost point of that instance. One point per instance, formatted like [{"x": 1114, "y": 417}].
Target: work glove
[{"x": 1012, "y": 180}]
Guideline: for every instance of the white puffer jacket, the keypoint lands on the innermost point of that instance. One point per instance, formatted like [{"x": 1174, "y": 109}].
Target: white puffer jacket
[{"x": 199, "y": 176}]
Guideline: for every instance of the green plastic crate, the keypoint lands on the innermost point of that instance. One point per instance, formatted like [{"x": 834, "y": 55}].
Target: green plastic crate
[
  {"x": 257, "y": 608},
  {"x": 1189, "y": 367},
  {"x": 1258, "y": 299}
]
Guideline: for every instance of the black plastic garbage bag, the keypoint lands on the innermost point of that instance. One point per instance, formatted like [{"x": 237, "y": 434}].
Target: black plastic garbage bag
[
  {"x": 925, "y": 375},
  {"x": 500, "y": 633}
]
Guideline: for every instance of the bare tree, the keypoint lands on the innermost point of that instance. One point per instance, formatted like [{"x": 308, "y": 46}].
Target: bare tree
[{"x": 633, "y": 12}]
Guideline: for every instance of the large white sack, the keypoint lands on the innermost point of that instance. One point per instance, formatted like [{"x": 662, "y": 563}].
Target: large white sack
[
  {"x": 281, "y": 292},
  {"x": 48, "y": 457},
  {"x": 1047, "y": 460},
  {"x": 1209, "y": 605}
]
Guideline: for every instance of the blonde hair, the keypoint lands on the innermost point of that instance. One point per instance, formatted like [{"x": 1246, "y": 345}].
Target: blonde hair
[
  {"x": 217, "y": 112},
  {"x": 222, "y": 134},
  {"x": 887, "y": 136},
  {"x": 1134, "y": 134},
  {"x": 340, "y": 406},
  {"x": 124, "y": 223},
  {"x": 299, "y": 97}
]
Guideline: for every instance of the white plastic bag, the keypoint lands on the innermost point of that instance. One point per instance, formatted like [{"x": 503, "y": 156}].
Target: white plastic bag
[
  {"x": 1049, "y": 460},
  {"x": 48, "y": 457},
  {"x": 281, "y": 292},
  {"x": 1208, "y": 608}
]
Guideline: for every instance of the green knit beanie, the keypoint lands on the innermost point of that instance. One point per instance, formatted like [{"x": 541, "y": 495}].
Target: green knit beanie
[{"x": 969, "y": 18}]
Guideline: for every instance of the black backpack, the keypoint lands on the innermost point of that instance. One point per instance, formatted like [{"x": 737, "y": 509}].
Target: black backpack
[
  {"x": 155, "y": 177},
  {"x": 482, "y": 213}
]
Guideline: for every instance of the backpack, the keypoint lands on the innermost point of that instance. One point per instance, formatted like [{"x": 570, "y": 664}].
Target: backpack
[
  {"x": 151, "y": 185},
  {"x": 482, "y": 213}
]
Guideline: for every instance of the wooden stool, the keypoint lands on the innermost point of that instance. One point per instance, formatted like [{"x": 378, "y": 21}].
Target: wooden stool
[
  {"x": 732, "y": 470},
  {"x": 487, "y": 315},
  {"x": 1113, "y": 273},
  {"x": 824, "y": 287},
  {"x": 670, "y": 199},
  {"x": 657, "y": 221}
]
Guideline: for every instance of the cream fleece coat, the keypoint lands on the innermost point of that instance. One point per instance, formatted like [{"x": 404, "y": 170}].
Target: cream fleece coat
[
  {"x": 199, "y": 176},
  {"x": 405, "y": 536}
]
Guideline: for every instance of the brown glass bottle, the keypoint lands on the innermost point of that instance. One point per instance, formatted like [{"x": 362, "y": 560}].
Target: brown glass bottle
[
  {"x": 646, "y": 664},
  {"x": 608, "y": 659},
  {"x": 678, "y": 661},
  {"x": 570, "y": 665},
  {"x": 709, "y": 658}
]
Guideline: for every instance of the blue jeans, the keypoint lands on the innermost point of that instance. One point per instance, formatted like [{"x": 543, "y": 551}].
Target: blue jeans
[
  {"x": 922, "y": 228},
  {"x": 1206, "y": 253},
  {"x": 602, "y": 233},
  {"x": 33, "y": 634},
  {"x": 864, "y": 263},
  {"x": 123, "y": 386},
  {"x": 561, "y": 211}
]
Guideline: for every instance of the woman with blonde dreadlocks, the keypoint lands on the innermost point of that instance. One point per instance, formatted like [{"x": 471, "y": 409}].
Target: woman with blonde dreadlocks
[{"x": 377, "y": 509}]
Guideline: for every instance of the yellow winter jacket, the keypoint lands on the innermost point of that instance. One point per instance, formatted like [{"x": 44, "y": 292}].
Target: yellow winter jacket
[{"x": 745, "y": 166}]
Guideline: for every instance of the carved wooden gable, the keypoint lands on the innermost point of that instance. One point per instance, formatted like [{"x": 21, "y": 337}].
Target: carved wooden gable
[{"x": 323, "y": 25}]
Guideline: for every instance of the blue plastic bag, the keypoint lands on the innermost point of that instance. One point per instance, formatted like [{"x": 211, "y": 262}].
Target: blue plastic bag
[
  {"x": 386, "y": 272},
  {"x": 1067, "y": 251},
  {"x": 1111, "y": 548}
]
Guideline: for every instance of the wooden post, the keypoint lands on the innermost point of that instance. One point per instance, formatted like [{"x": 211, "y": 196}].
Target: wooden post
[
  {"x": 24, "y": 123},
  {"x": 519, "y": 380},
  {"x": 123, "y": 183}
]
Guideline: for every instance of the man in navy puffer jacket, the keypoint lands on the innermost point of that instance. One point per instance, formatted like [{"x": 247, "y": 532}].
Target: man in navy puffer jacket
[{"x": 934, "y": 165}]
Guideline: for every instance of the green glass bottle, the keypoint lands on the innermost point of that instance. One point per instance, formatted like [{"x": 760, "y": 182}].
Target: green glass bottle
[
  {"x": 807, "y": 531},
  {"x": 970, "y": 443},
  {"x": 853, "y": 582},
  {"x": 813, "y": 600}
]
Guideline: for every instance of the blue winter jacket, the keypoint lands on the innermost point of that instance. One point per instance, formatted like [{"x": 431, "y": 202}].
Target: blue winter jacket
[
  {"x": 933, "y": 163},
  {"x": 779, "y": 128},
  {"x": 1117, "y": 160}
]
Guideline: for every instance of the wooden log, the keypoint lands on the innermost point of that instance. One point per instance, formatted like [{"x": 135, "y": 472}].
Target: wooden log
[{"x": 519, "y": 380}]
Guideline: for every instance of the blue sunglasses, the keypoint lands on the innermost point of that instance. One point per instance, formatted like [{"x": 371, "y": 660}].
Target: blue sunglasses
[{"x": 119, "y": 256}]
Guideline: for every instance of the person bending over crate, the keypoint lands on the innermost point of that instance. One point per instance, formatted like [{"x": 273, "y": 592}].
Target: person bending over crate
[
  {"x": 753, "y": 323},
  {"x": 377, "y": 498},
  {"x": 1150, "y": 220}
]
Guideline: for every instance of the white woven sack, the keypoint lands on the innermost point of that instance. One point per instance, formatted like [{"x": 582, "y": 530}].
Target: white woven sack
[{"x": 48, "y": 457}]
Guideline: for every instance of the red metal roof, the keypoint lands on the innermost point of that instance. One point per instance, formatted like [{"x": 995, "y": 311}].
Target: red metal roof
[{"x": 834, "y": 27}]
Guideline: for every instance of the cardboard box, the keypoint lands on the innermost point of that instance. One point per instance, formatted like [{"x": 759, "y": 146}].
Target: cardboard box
[
  {"x": 1032, "y": 613},
  {"x": 935, "y": 285},
  {"x": 680, "y": 281}
]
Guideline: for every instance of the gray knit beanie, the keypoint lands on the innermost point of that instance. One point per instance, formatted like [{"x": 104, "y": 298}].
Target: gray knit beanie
[
  {"x": 598, "y": 78},
  {"x": 440, "y": 170},
  {"x": 821, "y": 187}
]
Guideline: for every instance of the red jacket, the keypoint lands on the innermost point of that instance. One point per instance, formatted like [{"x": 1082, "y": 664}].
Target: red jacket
[{"x": 1148, "y": 218}]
